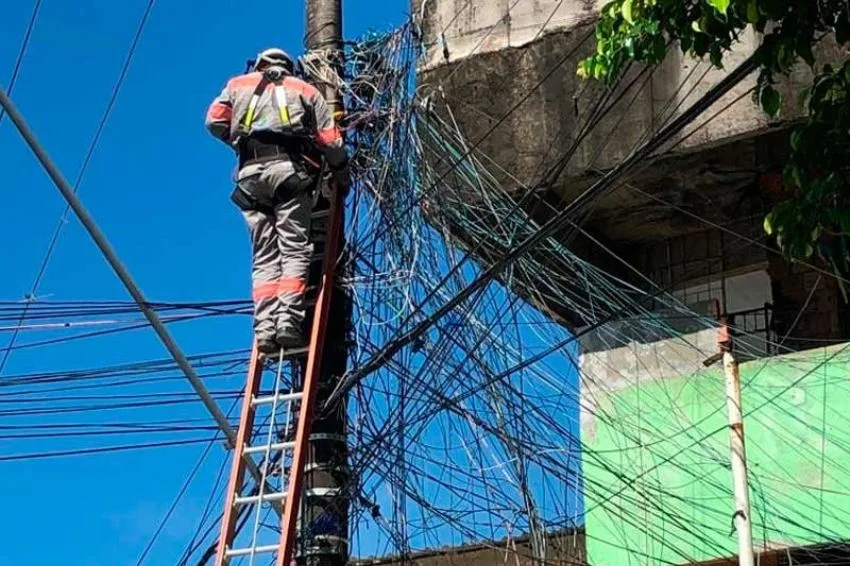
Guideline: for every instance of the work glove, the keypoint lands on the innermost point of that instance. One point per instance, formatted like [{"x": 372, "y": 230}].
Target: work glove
[{"x": 340, "y": 181}]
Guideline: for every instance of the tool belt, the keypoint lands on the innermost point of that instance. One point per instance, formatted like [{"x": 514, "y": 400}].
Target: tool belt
[
  {"x": 267, "y": 147},
  {"x": 264, "y": 147}
]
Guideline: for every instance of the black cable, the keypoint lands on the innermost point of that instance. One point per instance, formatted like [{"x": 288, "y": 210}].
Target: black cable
[
  {"x": 21, "y": 53},
  {"x": 192, "y": 546},
  {"x": 98, "y": 450},
  {"x": 92, "y": 146},
  {"x": 555, "y": 223},
  {"x": 182, "y": 491}
]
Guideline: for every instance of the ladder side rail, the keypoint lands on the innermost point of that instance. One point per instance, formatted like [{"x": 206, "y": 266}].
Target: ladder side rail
[
  {"x": 311, "y": 383},
  {"x": 266, "y": 458},
  {"x": 237, "y": 472}
]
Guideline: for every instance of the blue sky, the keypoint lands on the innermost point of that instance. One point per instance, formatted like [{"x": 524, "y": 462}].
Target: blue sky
[{"x": 158, "y": 186}]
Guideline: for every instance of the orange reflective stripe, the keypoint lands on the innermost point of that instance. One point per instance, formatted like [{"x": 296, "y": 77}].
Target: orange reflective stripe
[
  {"x": 291, "y": 285},
  {"x": 283, "y": 285},
  {"x": 219, "y": 112},
  {"x": 265, "y": 290},
  {"x": 329, "y": 135},
  {"x": 299, "y": 86},
  {"x": 251, "y": 80}
]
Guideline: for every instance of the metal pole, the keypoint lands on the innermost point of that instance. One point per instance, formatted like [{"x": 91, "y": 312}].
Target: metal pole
[
  {"x": 105, "y": 247},
  {"x": 737, "y": 452},
  {"x": 326, "y": 475}
]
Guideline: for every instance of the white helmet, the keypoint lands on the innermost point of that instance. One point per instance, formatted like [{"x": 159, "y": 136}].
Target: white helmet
[{"x": 274, "y": 57}]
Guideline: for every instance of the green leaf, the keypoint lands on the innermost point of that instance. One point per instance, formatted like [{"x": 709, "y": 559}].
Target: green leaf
[
  {"x": 804, "y": 50},
  {"x": 796, "y": 135},
  {"x": 716, "y": 56},
  {"x": 629, "y": 46},
  {"x": 695, "y": 26},
  {"x": 822, "y": 86},
  {"x": 700, "y": 47},
  {"x": 770, "y": 100},
  {"x": 610, "y": 8},
  {"x": 752, "y": 11},
  {"x": 598, "y": 71},
  {"x": 627, "y": 11},
  {"x": 720, "y": 5},
  {"x": 796, "y": 176},
  {"x": 768, "y": 224},
  {"x": 659, "y": 48}
]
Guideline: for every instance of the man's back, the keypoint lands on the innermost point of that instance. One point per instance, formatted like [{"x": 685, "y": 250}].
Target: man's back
[
  {"x": 252, "y": 104},
  {"x": 299, "y": 98}
]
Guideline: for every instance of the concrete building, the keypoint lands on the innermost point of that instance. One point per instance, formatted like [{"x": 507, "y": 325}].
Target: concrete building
[{"x": 690, "y": 221}]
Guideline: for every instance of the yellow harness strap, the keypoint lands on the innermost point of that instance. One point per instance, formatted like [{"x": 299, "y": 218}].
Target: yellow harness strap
[{"x": 282, "y": 105}]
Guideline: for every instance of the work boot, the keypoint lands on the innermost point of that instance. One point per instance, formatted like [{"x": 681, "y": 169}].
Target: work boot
[
  {"x": 290, "y": 339},
  {"x": 268, "y": 347}
]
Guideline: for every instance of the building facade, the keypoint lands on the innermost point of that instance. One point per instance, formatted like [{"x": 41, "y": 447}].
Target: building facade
[{"x": 688, "y": 222}]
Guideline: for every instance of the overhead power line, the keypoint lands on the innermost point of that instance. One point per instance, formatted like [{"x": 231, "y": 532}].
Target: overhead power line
[
  {"x": 121, "y": 271},
  {"x": 179, "y": 496},
  {"x": 606, "y": 182},
  {"x": 89, "y": 153},
  {"x": 21, "y": 53},
  {"x": 99, "y": 450}
]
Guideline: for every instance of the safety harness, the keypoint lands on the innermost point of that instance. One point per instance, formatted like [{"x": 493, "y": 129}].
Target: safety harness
[
  {"x": 257, "y": 147},
  {"x": 293, "y": 142}
]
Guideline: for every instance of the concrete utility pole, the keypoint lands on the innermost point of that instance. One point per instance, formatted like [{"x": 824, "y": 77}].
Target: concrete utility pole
[
  {"x": 738, "y": 456},
  {"x": 324, "y": 524}
]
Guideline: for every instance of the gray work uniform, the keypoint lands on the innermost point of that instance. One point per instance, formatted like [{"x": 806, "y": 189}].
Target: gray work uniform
[{"x": 253, "y": 107}]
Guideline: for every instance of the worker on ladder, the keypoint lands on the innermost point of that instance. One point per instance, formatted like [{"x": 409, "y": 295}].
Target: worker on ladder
[{"x": 275, "y": 122}]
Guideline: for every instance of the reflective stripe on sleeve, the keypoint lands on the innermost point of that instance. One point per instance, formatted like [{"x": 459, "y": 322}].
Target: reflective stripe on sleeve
[{"x": 329, "y": 136}]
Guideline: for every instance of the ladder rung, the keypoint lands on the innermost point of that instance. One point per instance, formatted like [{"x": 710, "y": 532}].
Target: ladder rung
[
  {"x": 281, "y": 398},
  {"x": 231, "y": 553},
  {"x": 274, "y": 447},
  {"x": 248, "y": 499},
  {"x": 293, "y": 352}
]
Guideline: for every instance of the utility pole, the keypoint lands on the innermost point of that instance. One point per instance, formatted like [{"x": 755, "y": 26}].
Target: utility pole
[
  {"x": 738, "y": 455},
  {"x": 324, "y": 519}
]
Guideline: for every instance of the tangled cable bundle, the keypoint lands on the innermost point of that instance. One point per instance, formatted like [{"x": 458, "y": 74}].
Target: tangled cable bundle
[{"x": 465, "y": 387}]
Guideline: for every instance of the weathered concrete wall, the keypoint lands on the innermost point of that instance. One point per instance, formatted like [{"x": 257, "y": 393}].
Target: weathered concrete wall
[
  {"x": 605, "y": 372},
  {"x": 809, "y": 309},
  {"x": 496, "y": 57},
  {"x": 463, "y": 27}
]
